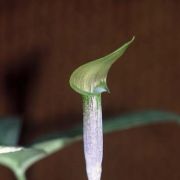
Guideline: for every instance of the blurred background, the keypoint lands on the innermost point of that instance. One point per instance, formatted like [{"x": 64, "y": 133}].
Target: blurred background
[{"x": 43, "y": 41}]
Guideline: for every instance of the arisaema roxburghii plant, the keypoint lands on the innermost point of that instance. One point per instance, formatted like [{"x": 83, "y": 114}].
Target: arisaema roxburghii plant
[{"x": 89, "y": 80}]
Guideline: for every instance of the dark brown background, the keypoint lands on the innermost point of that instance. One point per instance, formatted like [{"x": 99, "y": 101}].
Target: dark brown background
[{"x": 43, "y": 41}]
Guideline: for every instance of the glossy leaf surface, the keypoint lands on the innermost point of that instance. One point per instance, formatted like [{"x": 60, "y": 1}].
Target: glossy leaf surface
[{"x": 18, "y": 159}]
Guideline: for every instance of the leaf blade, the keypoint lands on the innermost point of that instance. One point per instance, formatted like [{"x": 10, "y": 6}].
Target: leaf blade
[
  {"x": 136, "y": 119},
  {"x": 117, "y": 123},
  {"x": 19, "y": 159},
  {"x": 9, "y": 130}
]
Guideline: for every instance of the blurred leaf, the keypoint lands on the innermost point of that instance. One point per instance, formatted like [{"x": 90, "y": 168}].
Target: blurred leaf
[
  {"x": 127, "y": 121},
  {"x": 54, "y": 144},
  {"x": 18, "y": 159},
  {"x": 132, "y": 120},
  {"x": 9, "y": 130},
  {"x": 90, "y": 78}
]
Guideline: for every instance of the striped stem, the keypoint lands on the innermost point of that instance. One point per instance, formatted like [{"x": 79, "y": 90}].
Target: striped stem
[{"x": 93, "y": 135}]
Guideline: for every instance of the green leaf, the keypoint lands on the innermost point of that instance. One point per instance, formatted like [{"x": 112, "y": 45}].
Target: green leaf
[
  {"x": 19, "y": 159},
  {"x": 9, "y": 130},
  {"x": 118, "y": 123},
  {"x": 132, "y": 120},
  {"x": 90, "y": 78},
  {"x": 53, "y": 145}
]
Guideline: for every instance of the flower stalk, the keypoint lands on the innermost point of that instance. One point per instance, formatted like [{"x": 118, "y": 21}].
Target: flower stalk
[
  {"x": 20, "y": 175},
  {"x": 89, "y": 80},
  {"x": 93, "y": 135}
]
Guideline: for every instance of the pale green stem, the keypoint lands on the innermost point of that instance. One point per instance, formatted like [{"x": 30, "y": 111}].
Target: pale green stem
[
  {"x": 93, "y": 135},
  {"x": 20, "y": 176}
]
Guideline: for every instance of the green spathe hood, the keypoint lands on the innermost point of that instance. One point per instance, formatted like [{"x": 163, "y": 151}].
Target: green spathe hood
[{"x": 90, "y": 78}]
